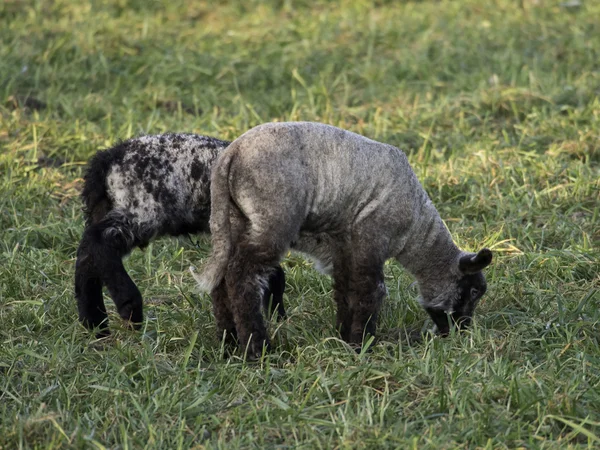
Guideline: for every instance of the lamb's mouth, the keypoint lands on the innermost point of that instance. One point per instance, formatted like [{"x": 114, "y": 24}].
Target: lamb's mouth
[{"x": 443, "y": 320}]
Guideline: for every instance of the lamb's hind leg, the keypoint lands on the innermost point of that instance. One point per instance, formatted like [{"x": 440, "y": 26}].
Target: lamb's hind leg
[
  {"x": 99, "y": 261},
  {"x": 247, "y": 278},
  {"x": 223, "y": 315},
  {"x": 123, "y": 291},
  {"x": 88, "y": 289}
]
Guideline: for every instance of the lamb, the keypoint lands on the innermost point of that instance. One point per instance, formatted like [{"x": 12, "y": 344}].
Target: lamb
[
  {"x": 134, "y": 192},
  {"x": 347, "y": 201}
]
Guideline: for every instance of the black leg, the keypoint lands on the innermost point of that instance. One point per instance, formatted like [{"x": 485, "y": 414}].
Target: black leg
[
  {"x": 123, "y": 291},
  {"x": 99, "y": 262},
  {"x": 88, "y": 292},
  {"x": 273, "y": 295}
]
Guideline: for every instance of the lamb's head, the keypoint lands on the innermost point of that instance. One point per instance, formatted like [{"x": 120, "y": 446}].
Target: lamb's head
[{"x": 457, "y": 293}]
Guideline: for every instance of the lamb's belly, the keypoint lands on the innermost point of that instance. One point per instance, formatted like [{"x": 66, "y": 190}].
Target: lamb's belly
[{"x": 319, "y": 248}]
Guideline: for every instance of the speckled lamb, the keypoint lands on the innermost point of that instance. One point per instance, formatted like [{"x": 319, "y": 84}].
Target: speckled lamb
[
  {"x": 346, "y": 200},
  {"x": 136, "y": 191}
]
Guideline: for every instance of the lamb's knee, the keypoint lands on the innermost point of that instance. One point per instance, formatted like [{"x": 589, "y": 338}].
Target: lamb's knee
[
  {"x": 253, "y": 264},
  {"x": 247, "y": 281}
]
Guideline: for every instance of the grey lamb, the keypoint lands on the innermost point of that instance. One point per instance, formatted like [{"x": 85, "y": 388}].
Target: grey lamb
[
  {"x": 134, "y": 192},
  {"x": 345, "y": 200}
]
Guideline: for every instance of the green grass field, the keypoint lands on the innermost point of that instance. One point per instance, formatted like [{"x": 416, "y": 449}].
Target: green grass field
[{"x": 497, "y": 104}]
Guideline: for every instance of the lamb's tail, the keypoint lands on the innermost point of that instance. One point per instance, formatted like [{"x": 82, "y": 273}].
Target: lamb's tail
[
  {"x": 220, "y": 227},
  {"x": 96, "y": 202}
]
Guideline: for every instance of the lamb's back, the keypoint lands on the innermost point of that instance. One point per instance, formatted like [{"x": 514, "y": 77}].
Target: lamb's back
[
  {"x": 164, "y": 180},
  {"x": 329, "y": 173}
]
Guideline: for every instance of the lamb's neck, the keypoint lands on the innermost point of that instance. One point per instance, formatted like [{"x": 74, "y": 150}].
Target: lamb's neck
[{"x": 429, "y": 250}]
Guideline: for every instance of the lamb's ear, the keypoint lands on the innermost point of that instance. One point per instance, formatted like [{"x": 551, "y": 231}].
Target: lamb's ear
[{"x": 475, "y": 262}]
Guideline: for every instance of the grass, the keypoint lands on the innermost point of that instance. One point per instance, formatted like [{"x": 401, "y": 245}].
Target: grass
[{"x": 496, "y": 103}]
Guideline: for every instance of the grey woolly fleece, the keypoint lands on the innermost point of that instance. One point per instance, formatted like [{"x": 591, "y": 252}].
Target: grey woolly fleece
[{"x": 322, "y": 190}]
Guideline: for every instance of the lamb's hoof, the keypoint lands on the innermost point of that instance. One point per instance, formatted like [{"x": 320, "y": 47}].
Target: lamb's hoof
[
  {"x": 256, "y": 348},
  {"x": 356, "y": 347},
  {"x": 229, "y": 344},
  {"x": 102, "y": 342},
  {"x": 102, "y": 333},
  {"x": 136, "y": 326},
  {"x": 133, "y": 317},
  {"x": 365, "y": 347},
  {"x": 361, "y": 343}
]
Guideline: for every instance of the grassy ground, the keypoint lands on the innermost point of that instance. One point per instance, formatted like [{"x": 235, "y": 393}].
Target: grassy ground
[{"x": 496, "y": 103}]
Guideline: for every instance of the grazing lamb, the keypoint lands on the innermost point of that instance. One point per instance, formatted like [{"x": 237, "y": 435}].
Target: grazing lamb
[
  {"x": 347, "y": 201},
  {"x": 138, "y": 190}
]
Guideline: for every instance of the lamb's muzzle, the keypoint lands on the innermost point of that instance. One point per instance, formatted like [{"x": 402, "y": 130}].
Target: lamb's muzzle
[{"x": 343, "y": 199}]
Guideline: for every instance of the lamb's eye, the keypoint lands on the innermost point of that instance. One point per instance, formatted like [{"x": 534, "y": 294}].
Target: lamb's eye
[{"x": 474, "y": 293}]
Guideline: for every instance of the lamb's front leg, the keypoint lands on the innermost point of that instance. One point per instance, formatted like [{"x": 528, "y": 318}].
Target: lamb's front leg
[
  {"x": 341, "y": 281},
  {"x": 367, "y": 290},
  {"x": 367, "y": 286}
]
